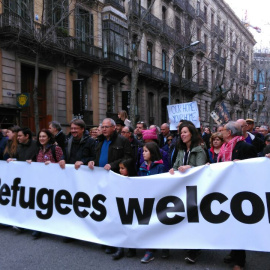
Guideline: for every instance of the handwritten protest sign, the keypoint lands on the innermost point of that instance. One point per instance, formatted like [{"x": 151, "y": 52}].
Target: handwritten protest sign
[{"x": 187, "y": 111}]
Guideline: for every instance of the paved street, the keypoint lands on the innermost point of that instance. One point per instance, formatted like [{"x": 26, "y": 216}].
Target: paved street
[{"x": 20, "y": 251}]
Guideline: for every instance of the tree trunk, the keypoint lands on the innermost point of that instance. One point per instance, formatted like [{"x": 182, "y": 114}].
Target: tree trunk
[
  {"x": 35, "y": 94},
  {"x": 133, "y": 96}
]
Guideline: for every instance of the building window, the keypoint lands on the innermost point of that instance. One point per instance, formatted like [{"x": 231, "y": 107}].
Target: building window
[
  {"x": 22, "y": 8},
  {"x": 151, "y": 108},
  {"x": 164, "y": 63},
  {"x": 198, "y": 7},
  {"x": 177, "y": 24},
  {"x": 85, "y": 28},
  {"x": 115, "y": 42},
  {"x": 111, "y": 98},
  {"x": 205, "y": 14},
  {"x": 164, "y": 11},
  {"x": 149, "y": 53}
]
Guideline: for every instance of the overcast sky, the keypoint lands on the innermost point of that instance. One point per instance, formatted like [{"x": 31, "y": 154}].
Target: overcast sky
[{"x": 257, "y": 15}]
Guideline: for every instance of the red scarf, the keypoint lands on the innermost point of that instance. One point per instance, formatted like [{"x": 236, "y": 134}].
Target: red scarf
[{"x": 225, "y": 153}]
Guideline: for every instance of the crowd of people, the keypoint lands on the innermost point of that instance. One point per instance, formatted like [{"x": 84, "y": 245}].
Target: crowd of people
[{"x": 117, "y": 146}]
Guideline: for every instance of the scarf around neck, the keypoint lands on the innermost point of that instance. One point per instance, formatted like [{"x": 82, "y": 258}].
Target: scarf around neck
[{"x": 225, "y": 153}]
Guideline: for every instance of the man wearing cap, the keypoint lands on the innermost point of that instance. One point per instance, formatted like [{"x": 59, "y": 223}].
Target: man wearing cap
[{"x": 250, "y": 137}]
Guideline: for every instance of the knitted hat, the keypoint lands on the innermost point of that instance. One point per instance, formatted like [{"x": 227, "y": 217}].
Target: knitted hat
[{"x": 150, "y": 134}]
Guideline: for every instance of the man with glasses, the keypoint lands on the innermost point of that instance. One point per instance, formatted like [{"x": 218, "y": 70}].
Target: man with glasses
[
  {"x": 112, "y": 148},
  {"x": 80, "y": 146},
  {"x": 134, "y": 143}
]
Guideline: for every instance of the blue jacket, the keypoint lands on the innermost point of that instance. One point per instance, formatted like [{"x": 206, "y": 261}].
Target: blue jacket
[
  {"x": 164, "y": 155},
  {"x": 156, "y": 167}
]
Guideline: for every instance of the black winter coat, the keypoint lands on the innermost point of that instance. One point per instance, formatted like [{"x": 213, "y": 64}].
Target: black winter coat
[{"x": 119, "y": 149}]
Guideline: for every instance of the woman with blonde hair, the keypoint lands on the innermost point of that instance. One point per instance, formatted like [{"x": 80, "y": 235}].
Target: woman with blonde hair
[
  {"x": 12, "y": 144},
  {"x": 124, "y": 117}
]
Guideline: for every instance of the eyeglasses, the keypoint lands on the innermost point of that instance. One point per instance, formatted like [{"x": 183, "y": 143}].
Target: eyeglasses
[
  {"x": 105, "y": 127},
  {"x": 140, "y": 122},
  {"x": 169, "y": 140}
]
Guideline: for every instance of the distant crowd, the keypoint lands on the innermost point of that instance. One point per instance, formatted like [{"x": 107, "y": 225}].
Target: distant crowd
[{"x": 140, "y": 151}]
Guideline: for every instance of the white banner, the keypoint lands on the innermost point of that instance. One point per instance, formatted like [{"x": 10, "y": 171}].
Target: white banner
[
  {"x": 217, "y": 206},
  {"x": 187, "y": 111}
]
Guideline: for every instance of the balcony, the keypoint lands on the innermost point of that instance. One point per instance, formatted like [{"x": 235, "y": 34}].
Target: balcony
[
  {"x": 214, "y": 29},
  {"x": 203, "y": 85},
  {"x": 181, "y": 4},
  {"x": 154, "y": 25},
  {"x": 118, "y": 4},
  {"x": 233, "y": 46},
  {"x": 221, "y": 35},
  {"x": 244, "y": 78},
  {"x": 201, "y": 17},
  {"x": 218, "y": 60},
  {"x": 190, "y": 10},
  {"x": 191, "y": 88},
  {"x": 201, "y": 48},
  {"x": 56, "y": 40},
  {"x": 157, "y": 74}
]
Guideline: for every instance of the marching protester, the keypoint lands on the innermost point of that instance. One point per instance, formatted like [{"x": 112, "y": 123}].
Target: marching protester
[
  {"x": 12, "y": 143},
  {"x": 119, "y": 125},
  {"x": 235, "y": 148},
  {"x": 48, "y": 153},
  {"x": 216, "y": 142},
  {"x": 256, "y": 141},
  {"x": 153, "y": 164},
  {"x": 164, "y": 132},
  {"x": 111, "y": 149},
  {"x": 150, "y": 135},
  {"x": 134, "y": 143},
  {"x": 59, "y": 136},
  {"x": 138, "y": 131},
  {"x": 126, "y": 168},
  {"x": 27, "y": 148},
  {"x": 80, "y": 147},
  {"x": 3, "y": 143},
  {"x": 190, "y": 154}
]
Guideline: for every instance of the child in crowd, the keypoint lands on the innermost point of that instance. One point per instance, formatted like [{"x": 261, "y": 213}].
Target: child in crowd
[
  {"x": 152, "y": 164},
  {"x": 126, "y": 168}
]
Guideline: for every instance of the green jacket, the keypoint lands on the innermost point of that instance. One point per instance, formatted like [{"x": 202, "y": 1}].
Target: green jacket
[{"x": 197, "y": 157}]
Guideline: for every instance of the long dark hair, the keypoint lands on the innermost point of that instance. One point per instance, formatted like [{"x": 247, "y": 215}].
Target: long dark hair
[
  {"x": 129, "y": 165},
  {"x": 49, "y": 134},
  {"x": 195, "y": 137},
  {"x": 154, "y": 151}
]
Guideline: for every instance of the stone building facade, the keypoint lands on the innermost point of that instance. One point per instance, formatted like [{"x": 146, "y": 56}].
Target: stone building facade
[{"x": 87, "y": 48}]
